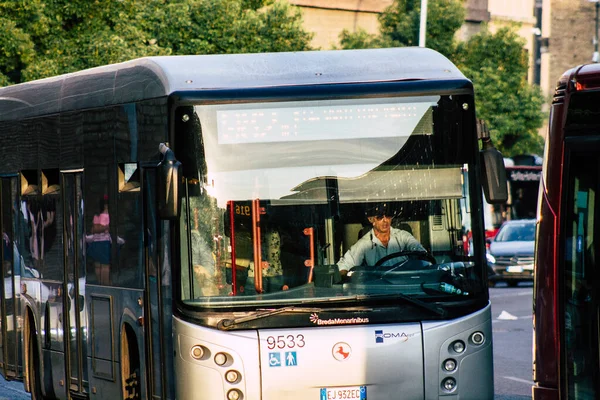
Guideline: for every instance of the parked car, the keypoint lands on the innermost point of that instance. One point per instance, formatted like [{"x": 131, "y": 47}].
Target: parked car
[{"x": 510, "y": 253}]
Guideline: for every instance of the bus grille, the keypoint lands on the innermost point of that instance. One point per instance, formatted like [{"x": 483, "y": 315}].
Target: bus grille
[{"x": 514, "y": 260}]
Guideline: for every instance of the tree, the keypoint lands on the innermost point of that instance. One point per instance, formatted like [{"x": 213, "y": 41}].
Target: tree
[
  {"x": 495, "y": 63},
  {"x": 66, "y": 36},
  {"x": 401, "y": 23},
  {"x": 16, "y": 51},
  {"x": 399, "y": 26},
  {"x": 41, "y": 38},
  {"x": 227, "y": 26}
]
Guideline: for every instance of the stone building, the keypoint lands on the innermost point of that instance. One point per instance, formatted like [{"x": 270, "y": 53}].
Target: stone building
[
  {"x": 567, "y": 38},
  {"x": 328, "y": 18}
]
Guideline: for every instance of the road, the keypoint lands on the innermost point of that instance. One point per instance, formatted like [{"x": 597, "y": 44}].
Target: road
[
  {"x": 512, "y": 330},
  {"x": 12, "y": 390}
]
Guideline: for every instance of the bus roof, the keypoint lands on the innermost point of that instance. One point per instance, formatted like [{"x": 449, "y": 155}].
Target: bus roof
[{"x": 153, "y": 77}]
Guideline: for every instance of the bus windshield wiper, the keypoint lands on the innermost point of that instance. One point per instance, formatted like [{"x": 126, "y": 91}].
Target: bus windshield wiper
[
  {"x": 434, "y": 309},
  {"x": 227, "y": 323}
]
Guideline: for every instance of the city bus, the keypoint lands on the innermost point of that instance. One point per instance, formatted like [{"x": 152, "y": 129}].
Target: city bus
[
  {"x": 566, "y": 285},
  {"x": 172, "y": 227}
]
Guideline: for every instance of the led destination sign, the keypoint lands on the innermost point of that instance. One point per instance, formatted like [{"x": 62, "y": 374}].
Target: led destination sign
[
  {"x": 525, "y": 176},
  {"x": 263, "y": 125}
]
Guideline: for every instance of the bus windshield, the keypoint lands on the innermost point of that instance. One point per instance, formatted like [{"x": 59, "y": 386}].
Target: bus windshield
[{"x": 308, "y": 201}]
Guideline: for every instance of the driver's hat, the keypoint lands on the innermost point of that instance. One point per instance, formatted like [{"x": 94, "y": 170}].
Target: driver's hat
[{"x": 381, "y": 209}]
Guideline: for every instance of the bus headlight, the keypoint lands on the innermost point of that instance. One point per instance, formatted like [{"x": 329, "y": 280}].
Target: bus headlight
[
  {"x": 449, "y": 384},
  {"x": 449, "y": 365},
  {"x": 478, "y": 338},
  {"x": 234, "y": 394},
  {"x": 232, "y": 376},
  {"x": 458, "y": 346},
  {"x": 197, "y": 352},
  {"x": 220, "y": 359}
]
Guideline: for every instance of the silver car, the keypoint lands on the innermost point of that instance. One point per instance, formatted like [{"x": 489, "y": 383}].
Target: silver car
[{"x": 510, "y": 254}]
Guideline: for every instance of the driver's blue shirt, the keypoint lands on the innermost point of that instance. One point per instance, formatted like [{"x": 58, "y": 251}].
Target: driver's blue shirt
[{"x": 368, "y": 250}]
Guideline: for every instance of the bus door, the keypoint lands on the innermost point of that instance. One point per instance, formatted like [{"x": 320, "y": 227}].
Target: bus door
[
  {"x": 579, "y": 276},
  {"x": 9, "y": 303},
  {"x": 159, "y": 348},
  {"x": 74, "y": 284}
]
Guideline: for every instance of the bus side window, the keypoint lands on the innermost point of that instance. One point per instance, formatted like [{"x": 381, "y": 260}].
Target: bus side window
[
  {"x": 97, "y": 226},
  {"x": 49, "y": 223},
  {"x": 128, "y": 239}
]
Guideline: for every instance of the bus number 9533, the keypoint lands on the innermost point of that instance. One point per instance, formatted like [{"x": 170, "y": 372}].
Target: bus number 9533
[{"x": 283, "y": 341}]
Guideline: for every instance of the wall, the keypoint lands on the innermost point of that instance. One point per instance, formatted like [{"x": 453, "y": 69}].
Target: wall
[
  {"x": 519, "y": 13},
  {"x": 571, "y": 32},
  {"x": 327, "y": 19}
]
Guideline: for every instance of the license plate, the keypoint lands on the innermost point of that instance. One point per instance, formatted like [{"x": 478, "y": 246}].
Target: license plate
[
  {"x": 344, "y": 393},
  {"x": 514, "y": 269}
]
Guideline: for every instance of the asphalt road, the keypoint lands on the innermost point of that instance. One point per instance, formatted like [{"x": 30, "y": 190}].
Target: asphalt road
[
  {"x": 12, "y": 390},
  {"x": 512, "y": 330}
]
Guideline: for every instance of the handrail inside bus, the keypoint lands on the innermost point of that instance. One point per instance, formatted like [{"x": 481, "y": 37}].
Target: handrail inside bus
[
  {"x": 232, "y": 238},
  {"x": 256, "y": 242},
  {"x": 310, "y": 232}
]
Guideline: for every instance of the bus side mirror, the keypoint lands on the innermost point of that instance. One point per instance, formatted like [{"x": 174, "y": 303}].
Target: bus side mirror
[
  {"x": 169, "y": 175},
  {"x": 492, "y": 165},
  {"x": 494, "y": 174}
]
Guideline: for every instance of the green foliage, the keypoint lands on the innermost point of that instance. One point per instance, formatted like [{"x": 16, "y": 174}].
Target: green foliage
[
  {"x": 225, "y": 26},
  {"x": 400, "y": 26},
  {"x": 497, "y": 65},
  {"x": 281, "y": 29},
  {"x": 361, "y": 39},
  {"x": 41, "y": 38},
  {"x": 16, "y": 50},
  {"x": 401, "y": 23}
]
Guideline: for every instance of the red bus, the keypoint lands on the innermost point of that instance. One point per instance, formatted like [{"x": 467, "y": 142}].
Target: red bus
[{"x": 566, "y": 351}]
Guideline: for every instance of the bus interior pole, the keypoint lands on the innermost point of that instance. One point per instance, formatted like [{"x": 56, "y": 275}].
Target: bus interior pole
[
  {"x": 310, "y": 263},
  {"x": 232, "y": 241},
  {"x": 256, "y": 240}
]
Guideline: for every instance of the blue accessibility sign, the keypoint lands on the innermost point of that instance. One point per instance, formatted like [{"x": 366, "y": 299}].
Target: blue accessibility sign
[
  {"x": 290, "y": 359},
  {"x": 274, "y": 359}
]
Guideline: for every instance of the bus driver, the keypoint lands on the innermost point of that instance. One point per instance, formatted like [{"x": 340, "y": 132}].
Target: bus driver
[{"x": 380, "y": 241}]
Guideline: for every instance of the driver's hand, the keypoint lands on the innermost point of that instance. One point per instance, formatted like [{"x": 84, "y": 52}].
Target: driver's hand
[{"x": 343, "y": 273}]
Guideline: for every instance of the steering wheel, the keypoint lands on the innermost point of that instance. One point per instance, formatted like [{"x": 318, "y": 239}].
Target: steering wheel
[
  {"x": 375, "y": 273},
  {"x": 408, "y": 254}
]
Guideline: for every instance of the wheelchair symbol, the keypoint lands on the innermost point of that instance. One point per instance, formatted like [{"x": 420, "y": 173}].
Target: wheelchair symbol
[{"x": 274, "y": 359}]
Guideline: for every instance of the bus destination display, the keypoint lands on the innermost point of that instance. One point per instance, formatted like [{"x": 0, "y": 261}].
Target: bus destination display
[{"x": 262, "y": 125}]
